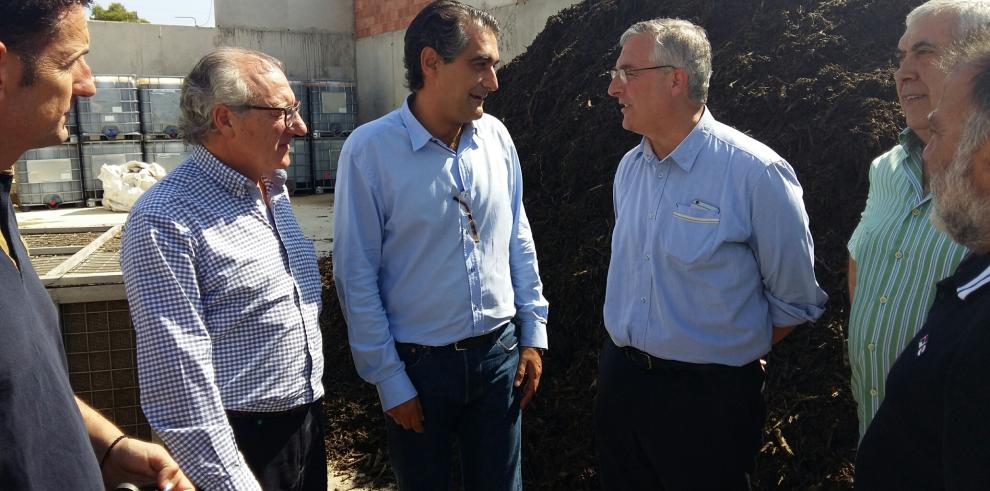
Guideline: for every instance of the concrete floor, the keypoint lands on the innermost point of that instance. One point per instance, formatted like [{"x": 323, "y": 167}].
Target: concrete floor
[{"x": 314, "y": 213}]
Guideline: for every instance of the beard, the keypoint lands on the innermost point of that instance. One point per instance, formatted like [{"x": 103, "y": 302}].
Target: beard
[{"x": 961, "y": 211}]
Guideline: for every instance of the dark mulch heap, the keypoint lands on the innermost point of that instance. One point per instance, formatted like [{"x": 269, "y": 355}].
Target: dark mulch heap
[{"x": 812, "y": 79}]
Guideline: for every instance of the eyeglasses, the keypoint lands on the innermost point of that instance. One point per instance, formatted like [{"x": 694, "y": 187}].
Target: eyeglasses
[
  {"x": 623, "y": 73},
  {"x": 289, "y": 113},
  {"x": 470, "y": 217}
]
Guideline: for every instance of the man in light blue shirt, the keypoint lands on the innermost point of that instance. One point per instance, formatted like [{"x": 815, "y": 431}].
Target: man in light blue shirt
[
  {"x": 712, "y": 262},
  {"x": 435, "y": 264}
]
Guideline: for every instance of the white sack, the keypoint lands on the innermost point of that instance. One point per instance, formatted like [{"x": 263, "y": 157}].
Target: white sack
[{"x": 124, "y": 184}]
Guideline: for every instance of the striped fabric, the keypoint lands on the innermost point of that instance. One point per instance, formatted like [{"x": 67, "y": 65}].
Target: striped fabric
[{"x": 899, "y": 257}]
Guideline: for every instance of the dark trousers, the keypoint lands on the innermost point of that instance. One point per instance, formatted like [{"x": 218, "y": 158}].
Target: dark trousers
[
  {"x": 676, "y": 426},
  {"x": 284, "y": 451},
  {"x": 467, "y": 395}
]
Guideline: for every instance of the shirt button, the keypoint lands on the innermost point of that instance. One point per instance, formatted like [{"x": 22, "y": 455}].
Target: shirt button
[
  {"x": 871, "y": 347},
  {"x": 883, "y": 300},
  {"x": 916, "y": 212},
  {"x": 898, "y": 254},
  {"x": 653, "y": 216},
  {"x": 647, "y": 257},
  {"x": 873, "y": 392},
  {"x": 642, "y": 300}
]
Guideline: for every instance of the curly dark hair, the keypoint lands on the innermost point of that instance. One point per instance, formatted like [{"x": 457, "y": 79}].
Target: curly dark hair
[
  {"x": 27, "y": 26},
  {"x": 441, "y": 25}
]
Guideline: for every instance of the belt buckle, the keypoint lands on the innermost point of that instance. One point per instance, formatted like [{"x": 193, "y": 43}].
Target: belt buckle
[
  {"x": 648, "y": 358},
  {"x": 640, "y": 358},
  {"x": 457, "y": 346}
]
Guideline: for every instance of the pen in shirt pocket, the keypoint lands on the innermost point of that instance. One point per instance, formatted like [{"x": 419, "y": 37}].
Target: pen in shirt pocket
[{"x": 701, "y": 205}]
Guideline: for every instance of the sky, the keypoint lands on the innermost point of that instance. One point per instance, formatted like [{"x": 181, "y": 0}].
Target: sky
[{"x": 159, "y": 12}]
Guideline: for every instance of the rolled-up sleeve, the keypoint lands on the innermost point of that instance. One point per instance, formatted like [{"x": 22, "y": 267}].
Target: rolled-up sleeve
[
  {"x": 179, "y": 394},
  {"x": 784, "y": 248},
  {"x": 357, "y": 255}
]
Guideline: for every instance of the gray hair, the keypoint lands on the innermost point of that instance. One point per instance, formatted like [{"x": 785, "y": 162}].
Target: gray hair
[
  {"x": 970, "y": 14},
  {"x": 218, "y": 78},
  {"x": 682, "y": 44}
]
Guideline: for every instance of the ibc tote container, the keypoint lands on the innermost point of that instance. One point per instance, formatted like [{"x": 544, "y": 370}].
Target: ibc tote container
[
  {"x": 326, "y": 153},
  {"x": 300, "y": 171},
  {"x": 96, "y": 154},
  {"x": 166, "y": 153},
  {"x": 332, "y": 108},
  {"x": 113, "y": 110},
  {"x": 71, "y": 120},
  {"x": 49, "y": 176},
  {"x": 302, "y": 97},
  {"x": 159, "y": 97}
]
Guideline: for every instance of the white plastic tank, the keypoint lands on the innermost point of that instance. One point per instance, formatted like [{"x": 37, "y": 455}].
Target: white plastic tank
[
  {"x": 332, "y": 108},
  {"x": 159, "y": 97},
  {"x": 113, "y": 110},
  {"x": 95, "y": 154},
  {"x": 166, "y": 153},
  {"x": 326, "y": 153},
  {"x": 49, "y": 176},
  {"x": 300, "y": 170}
]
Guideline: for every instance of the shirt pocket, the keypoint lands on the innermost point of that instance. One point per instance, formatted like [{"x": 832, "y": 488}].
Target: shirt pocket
[{"x": 691, "y": 233}]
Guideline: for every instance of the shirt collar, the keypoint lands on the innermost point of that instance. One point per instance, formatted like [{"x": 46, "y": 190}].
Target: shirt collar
[
  {"x": 972, "y": 274},
  {"x": 686, "y": 152},
  {"x": 231, "y": 180},
  {"x": 418, "y": 135},
  {"x": 910, "y": 141}
]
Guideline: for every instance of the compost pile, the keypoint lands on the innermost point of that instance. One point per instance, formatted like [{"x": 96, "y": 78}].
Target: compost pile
[{"x": 813, "y": 80}]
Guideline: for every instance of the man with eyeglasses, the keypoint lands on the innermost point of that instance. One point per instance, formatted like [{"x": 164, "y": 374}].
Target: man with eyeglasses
[
  {"x": 225, "y": 291},
  {"x": 435, "y": 264},
  {"x": 712, "y": 263}
]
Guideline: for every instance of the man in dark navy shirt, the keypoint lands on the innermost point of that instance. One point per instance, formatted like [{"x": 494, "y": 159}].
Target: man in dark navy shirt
[
  {"x": 48, "y": 438},
  {"x": 932, "y": 430}
]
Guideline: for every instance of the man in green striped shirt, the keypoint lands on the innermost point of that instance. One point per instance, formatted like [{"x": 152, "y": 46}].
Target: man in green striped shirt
[{"x": 895, "y": 254}]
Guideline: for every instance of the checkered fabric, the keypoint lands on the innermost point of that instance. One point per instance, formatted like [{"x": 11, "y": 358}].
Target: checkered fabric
[{"x": 225, "y": 296}]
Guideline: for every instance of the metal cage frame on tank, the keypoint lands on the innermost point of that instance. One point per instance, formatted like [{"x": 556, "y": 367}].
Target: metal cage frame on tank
[
  {"x": 326, "y": 154},
  {"x": 113, "y": 112},
  {"x": 159, "y": 99},
  {"x": 50, "y": 176},
  {"x": 300, "y": 171},
  {"x": 95, "y": 154},
  {"x": 332, "y": 108}
]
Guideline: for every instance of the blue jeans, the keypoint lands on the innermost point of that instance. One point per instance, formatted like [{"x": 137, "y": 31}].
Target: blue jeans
[{"x": 468, "y": 395}]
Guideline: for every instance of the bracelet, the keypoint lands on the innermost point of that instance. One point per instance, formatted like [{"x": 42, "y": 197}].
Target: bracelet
[{"x": 107, "y": 454}]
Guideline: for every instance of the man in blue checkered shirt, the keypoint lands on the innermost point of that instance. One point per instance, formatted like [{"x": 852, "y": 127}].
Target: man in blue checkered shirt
[{"x": 225, "y": 291}]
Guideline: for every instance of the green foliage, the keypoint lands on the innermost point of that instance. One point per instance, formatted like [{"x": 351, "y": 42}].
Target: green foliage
[{"x": 116, "y": 12}]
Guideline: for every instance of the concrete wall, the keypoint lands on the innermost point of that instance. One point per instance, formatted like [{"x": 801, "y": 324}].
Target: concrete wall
[
  {"x": 293, "y": 15},
  {"x": 380, "y": 73},
  {"x": 306, "y": 55},
  {"x": 314, "y": 38},
  {"x": 146, "y": 49}
]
